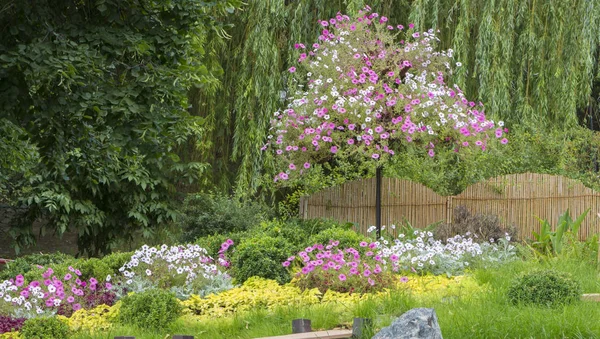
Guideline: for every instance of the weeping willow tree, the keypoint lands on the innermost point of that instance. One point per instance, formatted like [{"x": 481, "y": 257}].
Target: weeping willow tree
[{"x": 527, "y": 60}]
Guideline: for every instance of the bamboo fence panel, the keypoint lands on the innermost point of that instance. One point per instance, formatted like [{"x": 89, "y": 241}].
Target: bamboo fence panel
[
  {"x": 516, "y": 199},
  {"x": 355, "y": 202},
  {"x": 519, "y": 198}
]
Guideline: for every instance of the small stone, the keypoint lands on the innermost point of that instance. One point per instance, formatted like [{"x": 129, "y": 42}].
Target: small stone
[{"x": 418, "y": 323}]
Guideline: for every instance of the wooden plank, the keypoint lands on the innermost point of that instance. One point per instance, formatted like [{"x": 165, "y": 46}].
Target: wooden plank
[{"x": 331, "y": 334}]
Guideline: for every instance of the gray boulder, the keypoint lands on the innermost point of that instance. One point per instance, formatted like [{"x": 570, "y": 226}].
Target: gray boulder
[{"x": 418, "y": 323}]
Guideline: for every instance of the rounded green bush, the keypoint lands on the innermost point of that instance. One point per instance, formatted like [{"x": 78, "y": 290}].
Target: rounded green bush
[
  {"x": 546, "y": 288},
  {"x": 44, "y": 328},
  {"x": 261, "y": 256},
  {"x": 297, "y": 231},
  {"x": 93, "y": 268},
  {"x": 152, "y": 309},
  {"x": 116, "y": 260},
  {"x": 347, "y": 238}
]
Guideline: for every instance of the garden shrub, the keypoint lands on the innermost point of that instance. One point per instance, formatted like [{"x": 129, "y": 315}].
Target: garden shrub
[
  {"x": 545, "y": 288},
  {"x": 298, "y": 231},
  {"x": 212, "y": 243},
  {"x": 483, "y": 227},
  {"x": 261, "y": 256},
  {"x": 44, "y": 328},
  {"x": 93, "y": 267},
  {"x": 116, "y": 260},
  {"x": 10, "y": 324},
  {"x": 37, "y": 273},
  {"x": 208, "y": 214},
  {"x": 26, "y": 263},
  {"x": 151, "y": 309},
  {"x": 347, "y": 238}
]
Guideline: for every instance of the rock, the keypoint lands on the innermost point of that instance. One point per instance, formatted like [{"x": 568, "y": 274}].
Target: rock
[{"x": 418, "y": 323}]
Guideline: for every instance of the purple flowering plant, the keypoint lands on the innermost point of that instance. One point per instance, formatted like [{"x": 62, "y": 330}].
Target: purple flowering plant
[
  {"x": 10, "y": 324},
  {"x": 63, "y": 295},
  {"x": 328, "y": 267},
  {"x": 370, "y": 89}
]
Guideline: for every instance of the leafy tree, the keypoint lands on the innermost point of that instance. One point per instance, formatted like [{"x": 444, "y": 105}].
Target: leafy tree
[{"x": 94, "y": 94}]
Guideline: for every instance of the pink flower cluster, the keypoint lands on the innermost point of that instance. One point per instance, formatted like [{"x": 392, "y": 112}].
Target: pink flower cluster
[
  {"x": 370, "y": 88},
  {"x": 52, "y": 293},
  {"x": 223, "y": 261},
  {"x": 342, "y": 270}
]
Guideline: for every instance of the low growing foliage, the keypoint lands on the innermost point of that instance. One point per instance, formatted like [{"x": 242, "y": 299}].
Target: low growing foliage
[
  {"x": 10, "y": 324},
  {"x": 26, "y": 263},
  {"x": 45, "y": 328},
  {"x": 255, "y": 293},
  {"x": 545, "y": 288},
  {"x": 98, "y": 319},
  {"x": 153, "y": 309}
]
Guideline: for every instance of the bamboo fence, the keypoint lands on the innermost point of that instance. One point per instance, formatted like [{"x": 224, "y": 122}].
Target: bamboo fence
[{"x": 517, "y": 199}]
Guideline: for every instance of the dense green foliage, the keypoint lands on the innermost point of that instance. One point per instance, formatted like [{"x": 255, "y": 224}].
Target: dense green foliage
[
  {"x": 152, "y": 309},
  {"x": 261, "y": 256},
  {"x": 45, "y": 328},
  {"x": 95, "y": 96},
  {"x": 207, "y": 214},
  {"x": 546, "y": 288},
  {"x": 347, "y": 238},
  {"x": 26, "y": 263}
]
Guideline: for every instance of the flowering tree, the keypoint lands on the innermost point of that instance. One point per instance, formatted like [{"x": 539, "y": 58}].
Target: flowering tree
[{"x": 371, "y": 90}]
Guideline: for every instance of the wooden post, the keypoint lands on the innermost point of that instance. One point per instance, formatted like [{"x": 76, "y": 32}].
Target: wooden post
[
  {"x": 378, "y": 201},
  {"x": 598, "y": 263},
  {"x": 360, "y": 326},
  {"x": 301, "y": 326}
]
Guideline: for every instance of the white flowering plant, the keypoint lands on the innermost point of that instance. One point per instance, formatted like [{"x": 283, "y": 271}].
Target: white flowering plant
[
  {"x": 422, "y": 253},
  {"x": 184, "y": 268}
]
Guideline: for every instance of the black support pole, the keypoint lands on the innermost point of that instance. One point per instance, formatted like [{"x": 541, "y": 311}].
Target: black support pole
[{"x": 378, "y": 201}]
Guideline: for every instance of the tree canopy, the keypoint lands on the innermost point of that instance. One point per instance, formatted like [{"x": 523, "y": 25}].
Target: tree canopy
[{"x": 93, "y": 102}]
